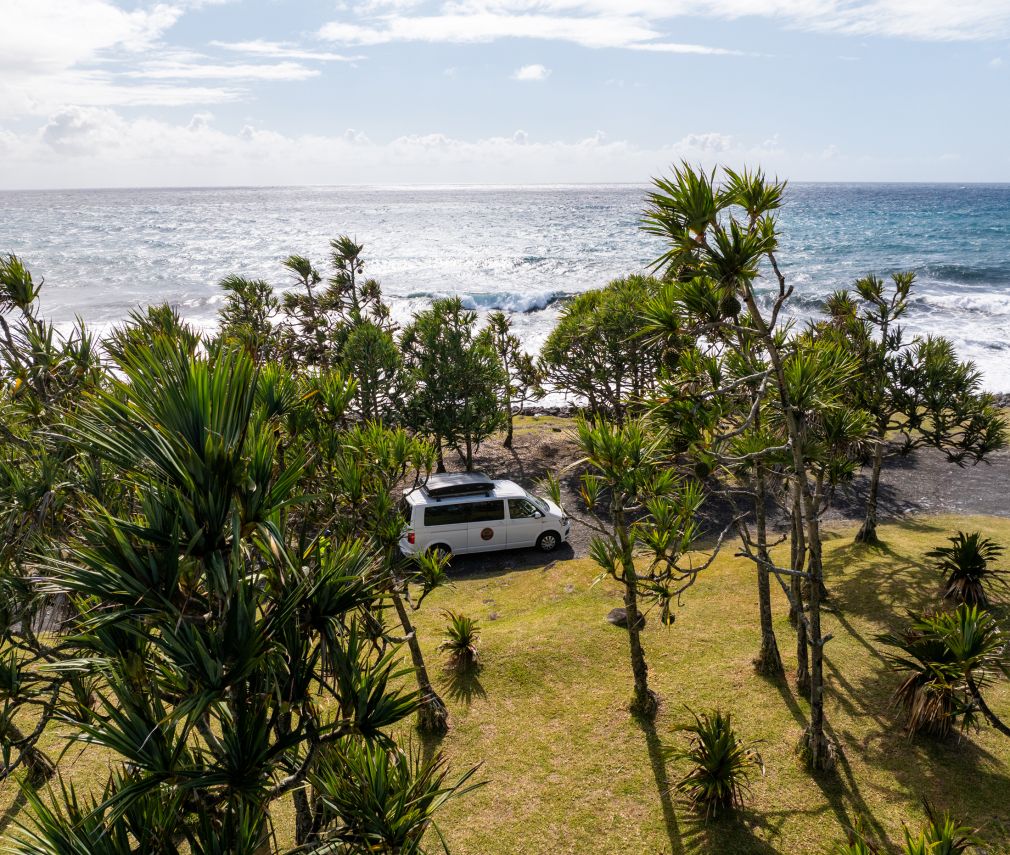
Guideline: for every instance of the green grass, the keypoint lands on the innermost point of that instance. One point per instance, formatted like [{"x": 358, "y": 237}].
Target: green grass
[{"x": 569, "y": 770}]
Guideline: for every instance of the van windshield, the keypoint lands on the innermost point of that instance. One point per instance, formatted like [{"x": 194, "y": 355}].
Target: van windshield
[{"x": 540, "y": 503}]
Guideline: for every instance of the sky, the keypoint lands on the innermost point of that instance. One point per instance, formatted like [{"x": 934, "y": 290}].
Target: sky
[{"x": 103, "y": 93}]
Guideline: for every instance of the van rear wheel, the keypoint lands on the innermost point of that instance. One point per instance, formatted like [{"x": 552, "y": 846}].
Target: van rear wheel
[{"x": 548, "y": 541}]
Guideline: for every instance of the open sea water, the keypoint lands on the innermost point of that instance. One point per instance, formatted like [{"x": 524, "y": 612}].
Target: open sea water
[{"x": 521, "y": 249}]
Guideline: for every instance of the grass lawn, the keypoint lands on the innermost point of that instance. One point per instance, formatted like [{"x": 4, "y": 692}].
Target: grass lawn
[{"x": 569, "y": 770}]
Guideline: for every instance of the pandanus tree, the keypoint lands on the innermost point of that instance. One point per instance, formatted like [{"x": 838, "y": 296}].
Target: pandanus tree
[
  {"x": 373, "y": 462},
  {"x": 454, "y": 375},
  {"x": 645, "y": 520},
  {"x": 230, "y": 667},
  {"x": 596, "y": 353},
  {"x": 917, "y": 391},
  {"x": 44, "y": 486},
  {"x": 522, "y": 376},
  {"x": 721, "y": 238},
  {"x": 967, "y": 564},
  {"x": 948, "y": 659}
]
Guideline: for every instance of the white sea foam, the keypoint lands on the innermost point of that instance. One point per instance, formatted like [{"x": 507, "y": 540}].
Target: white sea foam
[{"x": 521, "y": 250}]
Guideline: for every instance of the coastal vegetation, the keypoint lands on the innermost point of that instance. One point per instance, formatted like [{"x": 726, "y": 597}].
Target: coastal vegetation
[{"x": 202, "y": 592}]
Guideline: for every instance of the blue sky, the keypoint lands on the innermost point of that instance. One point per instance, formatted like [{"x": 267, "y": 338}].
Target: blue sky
[{"x": 192, "y": 92}]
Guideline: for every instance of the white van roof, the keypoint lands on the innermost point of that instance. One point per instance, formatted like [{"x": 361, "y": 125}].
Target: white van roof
[{"x": 462, "y": 487}]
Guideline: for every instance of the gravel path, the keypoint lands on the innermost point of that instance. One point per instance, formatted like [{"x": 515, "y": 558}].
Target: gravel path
[{"x": 925, "y": 483}]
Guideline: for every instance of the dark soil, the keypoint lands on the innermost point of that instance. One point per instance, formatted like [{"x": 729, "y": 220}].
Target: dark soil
[{"x": 922, "y": 483}]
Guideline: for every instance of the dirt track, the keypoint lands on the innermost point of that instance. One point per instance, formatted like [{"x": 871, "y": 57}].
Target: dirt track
[{"x": 924, "y": 483}]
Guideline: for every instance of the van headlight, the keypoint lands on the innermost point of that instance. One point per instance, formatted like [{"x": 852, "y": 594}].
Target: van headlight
[{"x": 564, "y": 519}]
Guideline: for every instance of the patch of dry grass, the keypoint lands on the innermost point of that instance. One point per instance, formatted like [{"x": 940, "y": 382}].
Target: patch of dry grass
[{"x": 569, "y": 770}]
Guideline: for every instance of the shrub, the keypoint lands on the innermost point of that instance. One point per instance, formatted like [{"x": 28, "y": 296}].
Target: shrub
[
  {"x": 938, "y": 836},
  {"x": 941, "y": 836},
  {"x": 721, "y": 764},
  {"x": 967, "y": 566},
  {"x": 949, "y": 657},
  {"x": 461, "y": 639}
]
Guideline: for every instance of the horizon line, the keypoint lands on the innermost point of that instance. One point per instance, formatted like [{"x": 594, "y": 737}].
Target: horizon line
[{"x": 444, "y": 185}]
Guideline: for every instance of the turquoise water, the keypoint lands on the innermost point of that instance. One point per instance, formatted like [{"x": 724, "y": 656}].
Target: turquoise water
[{"x": 103, "y": 252}]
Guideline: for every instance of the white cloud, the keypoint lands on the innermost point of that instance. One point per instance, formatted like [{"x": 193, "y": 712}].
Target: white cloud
[
  {"x": 613, "y": 29},
  {"x": 996, "y": 62},
  {"x": 646, "y": 24},
  {"x": 50, "y": 35},
  {"x": 284, "y": 50},
  {"x": 93, "y": 53},
  {"x": 174, "y": 70},
  {"x": 81, "y": 146},
  {"x": 531, "y": 72}
]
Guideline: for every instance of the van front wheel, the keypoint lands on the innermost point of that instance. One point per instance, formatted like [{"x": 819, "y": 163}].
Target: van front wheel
[{"x": 548, "y": 541}]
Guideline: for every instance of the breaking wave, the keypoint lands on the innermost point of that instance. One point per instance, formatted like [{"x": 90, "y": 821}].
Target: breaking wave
[{"x": 506, "y": 301}]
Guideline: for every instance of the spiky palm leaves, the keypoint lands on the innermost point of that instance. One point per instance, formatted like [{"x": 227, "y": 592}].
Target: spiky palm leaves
[
  {"x": 638, "y": 503},
  {"x": 938, "y": 835},
  {"x": 721, "y": 764},
  {"x": 948, "y": 658},
  {"x": 460, "y": 642},
  {"x": 967, "y": 565},
  {"x": 383, "y": 801},
  {"x": 226, "y": 662}
]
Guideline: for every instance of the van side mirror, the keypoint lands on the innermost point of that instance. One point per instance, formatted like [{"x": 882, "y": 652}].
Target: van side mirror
[{"x": 537, "y": 515}]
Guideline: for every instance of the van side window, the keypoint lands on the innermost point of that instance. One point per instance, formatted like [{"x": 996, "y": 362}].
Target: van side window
[
  {"x": 446, "y": 515},
  {"x": 520, "y": 509},
  {"x": 487, "y": 511}
]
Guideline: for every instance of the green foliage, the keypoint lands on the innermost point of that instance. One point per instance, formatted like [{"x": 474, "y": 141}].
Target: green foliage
[
  {"x": 146, "y": 326},
  {"x": 214, "y": 662},
  {"x": 454, "y": 376},
  {"x": 597, "y": 350},
  {"x": 382, "y": 801},
  {"x": 248, "y": 314},
  {"x": 967, "y": 565},
  {"x": 462, "y": 637},
  {"x": 523, "y": 377},
  {"x": 720, "y": 764},
  {"x": 939, "y": 835},
  {"x": 944, "y": 656}
]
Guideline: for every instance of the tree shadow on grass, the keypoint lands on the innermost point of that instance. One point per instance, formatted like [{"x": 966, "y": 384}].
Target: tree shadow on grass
[
  {"x": 839, "y": 786},
  {"x": 462, "y": 684},
  {"x": 735, "y": 832},
  {"x": 658, "y": 763},
  {"x": 13, "y": 811}
]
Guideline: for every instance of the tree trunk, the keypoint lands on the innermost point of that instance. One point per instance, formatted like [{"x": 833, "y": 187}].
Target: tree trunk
[
  {"x": 816, "y": 747},
  {"x": 508, "y": 415},
  {"x": 432, "y": 716},
  {"x": 818, "y": 750},
  {"x": 868, "y": 532},
  {"x": 769, "y": 661},
  {"x": 303, "y": 815},
  {"x": 644, "y": 702},
  {"x": 469, "y": 452},
  {"x": 39, "y": 767},
  {"x": 990, "y": 716},
  {"x": 440, "y": 464}
]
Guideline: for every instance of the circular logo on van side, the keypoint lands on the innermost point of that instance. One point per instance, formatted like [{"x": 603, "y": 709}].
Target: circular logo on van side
[{"x": 486, "y": 533}]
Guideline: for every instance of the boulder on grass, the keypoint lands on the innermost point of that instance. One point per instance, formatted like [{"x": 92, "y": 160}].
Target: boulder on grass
[{"x": 619, "y": 617}]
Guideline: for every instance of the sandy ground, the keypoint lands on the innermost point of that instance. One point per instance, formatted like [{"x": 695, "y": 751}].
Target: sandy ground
[{"x": 923, "y": 483}]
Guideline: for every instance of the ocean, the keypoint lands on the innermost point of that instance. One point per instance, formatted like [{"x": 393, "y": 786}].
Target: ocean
[{"x": 521, "y": 249}]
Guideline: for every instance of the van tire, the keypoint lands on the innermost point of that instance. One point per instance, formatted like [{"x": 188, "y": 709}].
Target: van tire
[
  {"x": 440, "y": 549},
  {"x": 548, "y": 541}
]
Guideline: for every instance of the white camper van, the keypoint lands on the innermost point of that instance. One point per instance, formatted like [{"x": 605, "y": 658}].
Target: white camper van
[{"x": 470, "y": 512}]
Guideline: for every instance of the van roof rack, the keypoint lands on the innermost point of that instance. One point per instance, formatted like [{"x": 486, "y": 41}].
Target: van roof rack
[{"x": 458, "y": 484}]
